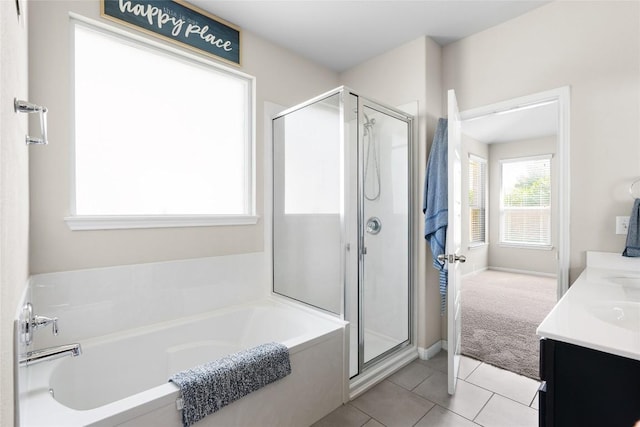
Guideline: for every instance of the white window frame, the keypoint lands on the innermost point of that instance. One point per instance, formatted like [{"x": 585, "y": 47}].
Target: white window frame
[
  {"x": 541, "y": 246},
  {"x": 482, "y": 161},
  {"x": 105, "y": 222}
]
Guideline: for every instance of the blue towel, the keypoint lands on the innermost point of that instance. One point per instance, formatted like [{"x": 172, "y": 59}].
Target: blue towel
[
  {"x": 435, "y": 205},
  {"x": 632, "y": 248},
  {"x": 209, "y": 387}
]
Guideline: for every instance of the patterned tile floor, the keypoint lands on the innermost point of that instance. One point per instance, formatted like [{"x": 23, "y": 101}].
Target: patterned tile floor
[{"x": 417, "y": 396}]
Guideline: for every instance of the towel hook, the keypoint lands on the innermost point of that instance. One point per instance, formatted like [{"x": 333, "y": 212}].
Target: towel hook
[
  {"x": 27, "y": 107},
  {"x": 634, "y": 189}
]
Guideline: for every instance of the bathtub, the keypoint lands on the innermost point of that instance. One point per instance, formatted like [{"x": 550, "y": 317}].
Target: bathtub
[{"x": 121, "y": 379}]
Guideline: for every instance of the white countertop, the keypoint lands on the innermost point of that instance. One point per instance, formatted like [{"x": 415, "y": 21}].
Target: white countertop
[{"x": 601, "y": 310}]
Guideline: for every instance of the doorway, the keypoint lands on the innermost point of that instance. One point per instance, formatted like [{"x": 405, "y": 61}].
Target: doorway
[{"x": 514, "y": 225}]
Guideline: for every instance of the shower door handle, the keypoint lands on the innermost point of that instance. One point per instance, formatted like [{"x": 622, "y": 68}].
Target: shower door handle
[{"x": 363, "y": 248}]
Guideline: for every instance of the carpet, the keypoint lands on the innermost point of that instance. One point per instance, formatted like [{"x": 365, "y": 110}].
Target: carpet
[{"x": 500, "y": 314}]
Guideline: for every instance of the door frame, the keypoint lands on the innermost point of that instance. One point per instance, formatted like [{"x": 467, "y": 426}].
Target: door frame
[{"x": 563, "y": 97}]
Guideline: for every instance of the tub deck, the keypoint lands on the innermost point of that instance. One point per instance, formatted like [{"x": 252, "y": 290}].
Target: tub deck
[{"x": 121, "y": 379}]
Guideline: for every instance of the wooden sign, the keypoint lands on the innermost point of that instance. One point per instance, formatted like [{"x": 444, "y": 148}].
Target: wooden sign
[{"x": 178, "y": 22}]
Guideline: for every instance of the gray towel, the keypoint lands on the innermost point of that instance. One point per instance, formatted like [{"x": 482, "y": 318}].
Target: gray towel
[
  {"x": 632, "y": 249},
  {"x": 209, "y": 387}
]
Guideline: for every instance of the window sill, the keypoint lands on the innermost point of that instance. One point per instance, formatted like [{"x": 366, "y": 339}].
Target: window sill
[
  {"x": 523, "y": 246},
  {"x": 119, "y": 222}
]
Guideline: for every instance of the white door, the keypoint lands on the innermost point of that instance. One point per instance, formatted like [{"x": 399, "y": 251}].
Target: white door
[{"x": 454, "y": 241}]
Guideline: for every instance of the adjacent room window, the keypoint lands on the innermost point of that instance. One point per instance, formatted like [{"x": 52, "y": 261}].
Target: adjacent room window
[
  {"x": 477, "y": 200},
  {"x": 525, "y": 202},
  {"x": 158, "y": 133}
]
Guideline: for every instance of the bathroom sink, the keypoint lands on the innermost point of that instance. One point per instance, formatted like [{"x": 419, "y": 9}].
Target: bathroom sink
[
  {"x": 633, "y": 281},
  {"x": 624, "y": 314}
]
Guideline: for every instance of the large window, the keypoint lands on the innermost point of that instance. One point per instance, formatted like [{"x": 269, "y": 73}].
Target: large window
[
  {"x": 477, "y": 200},
  {"x": 525, "y": 202},
  {"x": 158, "y": 133}
]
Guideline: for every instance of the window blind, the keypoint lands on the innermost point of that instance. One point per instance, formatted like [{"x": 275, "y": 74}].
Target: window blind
[
  {"x": 526, "y": 201},
  {"x": 477, "y": 200}
]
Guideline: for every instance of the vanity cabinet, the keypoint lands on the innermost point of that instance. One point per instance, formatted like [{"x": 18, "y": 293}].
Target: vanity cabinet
[{"x": 585, "y": 387}]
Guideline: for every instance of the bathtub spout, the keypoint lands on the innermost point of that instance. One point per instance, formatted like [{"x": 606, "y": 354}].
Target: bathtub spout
[{"x": 51, "y": 353}]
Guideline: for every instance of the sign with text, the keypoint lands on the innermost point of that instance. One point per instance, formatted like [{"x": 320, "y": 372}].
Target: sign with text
[{"x": 178, "y": 22}]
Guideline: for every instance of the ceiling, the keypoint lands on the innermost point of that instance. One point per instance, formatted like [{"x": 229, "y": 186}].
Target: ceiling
[
  {"x": 342, "y": 34},
  {"x": 514, "y": 125}
]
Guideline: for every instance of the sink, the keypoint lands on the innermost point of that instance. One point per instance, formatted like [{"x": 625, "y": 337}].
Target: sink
[
  {"x": 623, "y": 314},
  {"x": 630, "y": 285},
  {"x": 632, "y": 281}
]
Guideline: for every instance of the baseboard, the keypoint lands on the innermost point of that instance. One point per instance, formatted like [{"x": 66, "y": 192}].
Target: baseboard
[
  {"x": 429, "y": 353},
  {"x": 471, "y": 273},
  {"x": 517, "y": 271}
]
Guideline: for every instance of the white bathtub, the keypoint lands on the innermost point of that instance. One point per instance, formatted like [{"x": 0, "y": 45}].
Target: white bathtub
[{"x": 121, "y": 379}]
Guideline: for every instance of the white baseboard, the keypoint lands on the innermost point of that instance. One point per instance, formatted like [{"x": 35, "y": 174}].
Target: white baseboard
[
  {"x": 471, "y": 273},
  {"x": 515, "y": 270},
  {"x": 429, "y": 353}
]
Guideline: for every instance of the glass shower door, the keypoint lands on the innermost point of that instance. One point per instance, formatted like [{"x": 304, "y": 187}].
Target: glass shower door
[{"x": 384, "y": 223}]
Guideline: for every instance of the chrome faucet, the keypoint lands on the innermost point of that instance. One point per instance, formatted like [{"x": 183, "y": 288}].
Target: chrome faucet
[
  {"x": 51, "y": 353},
  {"x": 29, "y": 323}
]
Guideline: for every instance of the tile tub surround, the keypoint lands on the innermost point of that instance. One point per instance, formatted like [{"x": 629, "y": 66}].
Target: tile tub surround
[
  {"x": 417, "y": 396},
  {"x": 573, "y": 319},
  {"x": 100, "y": 301}
]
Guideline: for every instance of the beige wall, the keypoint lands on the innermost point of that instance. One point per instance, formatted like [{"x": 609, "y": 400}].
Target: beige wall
[
  {"x": 14, "y": 190},
  {"x": 514, "y": 258},
  {"x": 282, "y": 78},
  {"x": 477, "y": 256},
  {"x": 411, "y": 72},
  {"x": 595, "y": 48}
]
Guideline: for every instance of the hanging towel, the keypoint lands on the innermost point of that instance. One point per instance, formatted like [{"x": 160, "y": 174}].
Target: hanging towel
[
  {"x": 435, "y": 204},
  {"x": 209, "y": 387},
  {"x": 632, "y": 249}
]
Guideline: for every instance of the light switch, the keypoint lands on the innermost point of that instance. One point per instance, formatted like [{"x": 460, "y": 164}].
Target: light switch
[{"x": 622, "y": 224}]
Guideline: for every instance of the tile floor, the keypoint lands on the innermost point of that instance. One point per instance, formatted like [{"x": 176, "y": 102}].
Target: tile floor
[{"x": 417, "y": 396}]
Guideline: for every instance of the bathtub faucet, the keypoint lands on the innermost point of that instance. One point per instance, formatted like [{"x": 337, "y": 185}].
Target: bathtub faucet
[
  {"x": 30, "y": 322},
  {"x": 51, "y": 353}
]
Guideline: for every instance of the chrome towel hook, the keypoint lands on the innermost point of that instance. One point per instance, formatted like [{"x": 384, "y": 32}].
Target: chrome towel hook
[{"x": 27, "y": 107}]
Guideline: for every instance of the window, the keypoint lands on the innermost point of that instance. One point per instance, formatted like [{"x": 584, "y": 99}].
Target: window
[
  {"x": 525, "y": 201},
  {"x": 477, "y": 200},
  {"x": 159, "y": 134}
]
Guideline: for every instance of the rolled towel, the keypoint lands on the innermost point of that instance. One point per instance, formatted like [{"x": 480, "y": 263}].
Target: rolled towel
[
  {"x": 632, "y": 248},
  {"x": 209, "y": 387}
]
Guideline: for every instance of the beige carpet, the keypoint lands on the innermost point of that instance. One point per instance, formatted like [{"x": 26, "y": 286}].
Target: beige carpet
[{"x": 500, "y": 314}]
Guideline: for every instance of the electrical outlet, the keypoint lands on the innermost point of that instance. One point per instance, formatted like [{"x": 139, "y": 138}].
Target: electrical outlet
[{"x": 622, "y": 224}]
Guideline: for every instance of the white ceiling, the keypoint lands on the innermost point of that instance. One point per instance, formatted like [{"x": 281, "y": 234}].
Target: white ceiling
[
  {"x": 341, "y": 34},
  {"x": 514, "y": 125}
]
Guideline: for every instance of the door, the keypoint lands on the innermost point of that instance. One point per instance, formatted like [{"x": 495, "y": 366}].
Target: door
[
  {"x": 454, "y": 239},
  {"x": 385, "y": 229}
]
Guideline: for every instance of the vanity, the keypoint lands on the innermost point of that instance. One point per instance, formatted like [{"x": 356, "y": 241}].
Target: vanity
[{"x": 590, "y": 348}]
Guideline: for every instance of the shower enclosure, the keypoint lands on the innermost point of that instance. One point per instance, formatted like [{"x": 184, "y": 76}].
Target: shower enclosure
[{"x": 342, "y": 218}]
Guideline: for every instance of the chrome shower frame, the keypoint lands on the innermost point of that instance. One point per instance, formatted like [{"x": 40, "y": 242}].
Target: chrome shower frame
[{"x": 353, "y": 229}]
